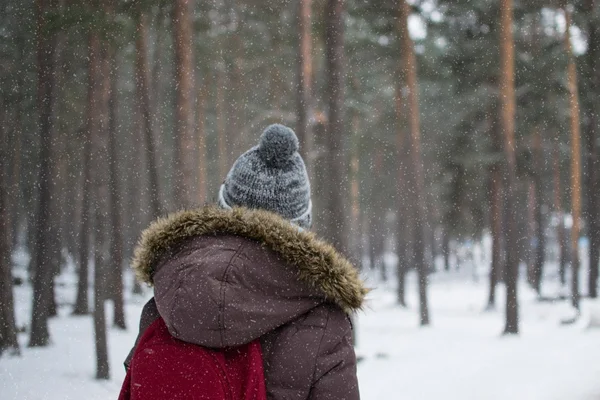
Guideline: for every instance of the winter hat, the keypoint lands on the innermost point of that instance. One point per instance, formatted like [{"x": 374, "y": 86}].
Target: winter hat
[{"x": 272, "y": 177}]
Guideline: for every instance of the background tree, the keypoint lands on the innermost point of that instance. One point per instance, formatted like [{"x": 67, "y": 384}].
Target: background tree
[
  {"x": 8, "y": 330},
  {"x": 575, "y": 159},
  {"x": 409, "y": 78},
  {"x": 184, "y": 111},
  {"x": 336, "y": 157},
  {"x": 591, "y": 80},
  {"x": 304, "y": 84},
  {"x": 43, "y": 273},
  {"x": 507, "y": 127}
]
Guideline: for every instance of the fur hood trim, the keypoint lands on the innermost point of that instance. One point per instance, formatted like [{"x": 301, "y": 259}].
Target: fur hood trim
[{"x": 318, "y": 263}]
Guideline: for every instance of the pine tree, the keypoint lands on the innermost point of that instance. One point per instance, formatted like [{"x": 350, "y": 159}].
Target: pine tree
[
  {"x": 184, "y": 111},
  {"x": 336, "y": 158},
  {"x": 8, "y": 330},
  {"x": 409, "y": 77},
  {"x": 304, "y": 78},
  {"x": 144, "y": 106},
  {"x": 575, "y": 160},
  {"x": 592, "y": 136},
  {"x": 507, "y": 127},
  {"x": 42, "y": 290}
]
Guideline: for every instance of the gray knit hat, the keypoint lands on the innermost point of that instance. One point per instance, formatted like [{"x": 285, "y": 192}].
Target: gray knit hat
[{"x": 272, "y": 177}]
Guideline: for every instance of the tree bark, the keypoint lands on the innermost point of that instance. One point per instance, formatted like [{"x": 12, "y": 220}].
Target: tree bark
[
  {"x": 8, "y": 330},
  {"x": 116, "y": 225},
  {"x": 144, "y": 104},
  {"x": 403, "y": 227},
  {"x": 82, "y": 302},
  {"x": 409, "y": 75},
  {"x": 46, "y": 46},
  {"x": 575, "y": 162},
  {"x": 337, "y": 187},
  {"x": 304, "y": 75},
  {"x": 529, "y": 257},
  {"x": 184, "y": 109},
  {"x": 496, "y": 211},
  {"x": 221, "y": 124},
  {"x": 507, "y": 128},
  {"x": 201, "y": 134},
  {"x": 592, "y": 183},
  {"x": 562, "y": 256},
  {"x": 99, "y": 70},
  {"x": 540, "y": 249},
  {"x": 355, "y": 242}
]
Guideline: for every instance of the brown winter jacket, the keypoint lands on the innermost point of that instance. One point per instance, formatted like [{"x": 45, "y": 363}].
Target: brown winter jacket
[{"x": 224, "y": 278}]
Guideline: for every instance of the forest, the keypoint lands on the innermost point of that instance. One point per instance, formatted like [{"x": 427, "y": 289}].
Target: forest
[{"x": 428, "y": 128}]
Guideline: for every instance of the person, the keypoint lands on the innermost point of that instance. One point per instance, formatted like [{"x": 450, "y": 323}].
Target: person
[{"x": 249, "y": 269}]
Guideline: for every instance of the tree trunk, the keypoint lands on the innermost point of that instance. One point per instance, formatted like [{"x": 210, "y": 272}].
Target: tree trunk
[
  {"x": 184, "y": 111},
  {"x": 540, "y": 236},
  {"x": 99, "y": 71},
  {"x": 403, "y": 227},
  {"x": 446, "y": 248},
  {"x": 531, "y": 231},
  {"x": 8, "y": 330},
  {"x": 355, "y": 247},
  {"x": 409, "y": 79},
  {"x": 81, "y": 303},
  {"x": 46, "y": 46},
  {"x": 562, "y": 256},
  {"x": 304, "y": 75},
  {"x": 575, "y": 162},
  {"x": 334, "y": 53},
  {"x": 201, "y": 134},
  {"x": 592, "y": 183},
  {"x": 144, "y": 104},
  {"x": 496, "y": 211},
  {"x": 221, "y": 124},
  {"x": 116, "y": 225},
  {"x": 507, "y": 128},
  {"x": 157, "y": 70}
]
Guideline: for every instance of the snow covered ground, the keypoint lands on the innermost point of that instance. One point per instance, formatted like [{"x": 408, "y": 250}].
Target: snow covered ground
[{"x": 461, "y": 356}]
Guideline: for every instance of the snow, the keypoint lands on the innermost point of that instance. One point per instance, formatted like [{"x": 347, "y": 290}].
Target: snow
[{"x": 462, "y": 355}]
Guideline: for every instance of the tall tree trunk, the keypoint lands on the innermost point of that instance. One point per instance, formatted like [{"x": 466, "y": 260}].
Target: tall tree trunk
[
  {"x": 42, "y": 290},
  {"x": 592, "y": 136},
  {"x": 507, "y": 128},
  {"x": 16, "y": 199},
  {"x": 221, "y": 124},
  {"x": 337, "y": 187},
  {"x": 529, "y": 257},
  {"x": 157, "y": 70},
  {"x": 144, "y": 106},
  {"x": 8, "y": 331},
  {"x": 304, "y": 75},
  {"x": 403, "y": 228},
  {"x": 116, "y": 225},
  {"x": 496, "y": 211},
  {"x": 575, "y": 162},
  {"x": 540, "y": 249},
  {"x": 184, "y": 109},
  {"x": 446, "y": 247},
  {"x": 496, "y": 206},
  {"x": 562, "y": 256},
  {"x": 355, "y": 247},
  {"x": 98, "y": 119},
  {"x": 201, "y": 135},
  {"x": 82, "y": 302},
  {"x": 409, "y": 75}
]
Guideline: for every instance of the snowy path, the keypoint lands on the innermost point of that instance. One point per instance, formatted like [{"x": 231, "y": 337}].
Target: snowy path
[{"x": 462, "y": 356}]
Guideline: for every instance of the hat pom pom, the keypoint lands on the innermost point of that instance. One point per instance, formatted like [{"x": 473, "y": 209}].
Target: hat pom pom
[{"x": 277, "y": 145}]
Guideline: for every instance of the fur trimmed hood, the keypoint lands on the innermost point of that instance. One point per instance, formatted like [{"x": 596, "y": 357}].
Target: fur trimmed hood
[{"x": 318, "y": 264}]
